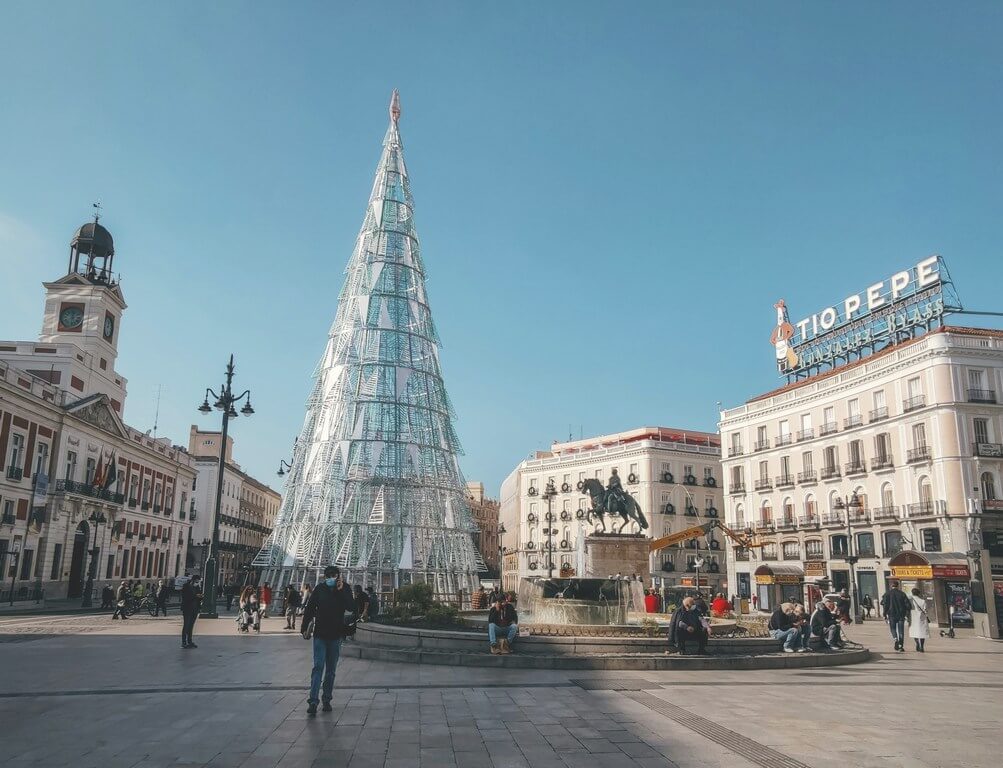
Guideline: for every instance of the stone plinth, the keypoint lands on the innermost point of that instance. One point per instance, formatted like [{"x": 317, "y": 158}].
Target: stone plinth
[{"x": 610, "y": 555}]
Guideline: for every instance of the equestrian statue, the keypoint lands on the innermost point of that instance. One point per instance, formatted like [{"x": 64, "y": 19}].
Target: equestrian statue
[{"x": 613, "y": 500}]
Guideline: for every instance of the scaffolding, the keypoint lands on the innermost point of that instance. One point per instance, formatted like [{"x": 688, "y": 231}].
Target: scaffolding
[{"x": 375, "y": 485}]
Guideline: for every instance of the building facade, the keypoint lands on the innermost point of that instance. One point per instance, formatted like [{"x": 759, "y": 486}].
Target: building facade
[
  {"x": 674, "y": 475},
  {"x": 81, "y": 492},
  {"x": 247, "y": 509},
  {"x": 898, "y": 452},
  {"x": 485, "y": 515}
]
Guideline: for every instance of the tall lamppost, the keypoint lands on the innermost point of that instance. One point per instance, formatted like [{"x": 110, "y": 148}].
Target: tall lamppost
[
  {"x": 548, "y": 494},
  {"x": 225, "y": 402},
  {"x": 697, "y": 565},
  {"x": 15, "y": 553},
  {"x": 853, "y": 505},
  {"x": 97, "y": 518},
  {"x": 501, "y": 555}
]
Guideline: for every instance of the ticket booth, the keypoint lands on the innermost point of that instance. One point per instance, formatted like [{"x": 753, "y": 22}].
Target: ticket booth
[
  {"x": 944, "y": 578},
  {"x": 778, "y": 583}
]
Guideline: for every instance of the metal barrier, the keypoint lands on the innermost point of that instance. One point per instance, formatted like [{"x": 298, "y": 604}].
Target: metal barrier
[{"x": 22, "y": 595}]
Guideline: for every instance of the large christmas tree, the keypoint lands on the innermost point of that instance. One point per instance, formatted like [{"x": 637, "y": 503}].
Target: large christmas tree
[{"x": 375, "y": 486}]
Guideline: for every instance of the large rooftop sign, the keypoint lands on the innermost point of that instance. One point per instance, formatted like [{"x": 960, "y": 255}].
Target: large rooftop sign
[{"x": 897, "y": 308}]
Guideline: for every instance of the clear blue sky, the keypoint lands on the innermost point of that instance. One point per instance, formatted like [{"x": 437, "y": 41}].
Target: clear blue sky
[{"x": 610, "y": 197}]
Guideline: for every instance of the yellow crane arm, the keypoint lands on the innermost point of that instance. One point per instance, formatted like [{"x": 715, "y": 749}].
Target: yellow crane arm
[{"x": 701, "y": 530}]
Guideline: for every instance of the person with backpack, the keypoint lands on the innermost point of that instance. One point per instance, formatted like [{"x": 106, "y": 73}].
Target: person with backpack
[
  {"x": 324, "y": 624},
  {"x": 896, "y": 608}
]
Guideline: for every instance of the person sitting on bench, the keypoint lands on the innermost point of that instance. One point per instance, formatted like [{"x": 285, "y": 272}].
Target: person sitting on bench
[{"x": 687, "y": 626}]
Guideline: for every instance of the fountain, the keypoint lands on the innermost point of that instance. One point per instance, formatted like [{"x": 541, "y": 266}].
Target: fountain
[{"x": 579, "y": 602}]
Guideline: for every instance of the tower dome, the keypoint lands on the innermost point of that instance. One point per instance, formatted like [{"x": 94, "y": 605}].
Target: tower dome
[{"x": 92, "y": 251}]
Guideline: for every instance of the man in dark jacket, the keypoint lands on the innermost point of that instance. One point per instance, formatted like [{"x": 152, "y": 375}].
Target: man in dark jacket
[
  {"x": 896, "y": 608},
  {"x": 122, "y": 597},
  {"x": 163, "y": 593},
  {"x": 824, "y": 625},
  {"x": 290, "y": 605},
  {"x": 325, "y": 610},
  {"x": 782, "y": 628},
  {"x": 191, "y": 601},
  {"x": 502, "y": 618},
  {"x": 686, "y": 627}
]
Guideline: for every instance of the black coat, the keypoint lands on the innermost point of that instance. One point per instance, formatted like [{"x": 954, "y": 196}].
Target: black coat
[
  {"x": 821, "y": 619},
  {"x": 780, "y": 620},
  {"x": 505, "y": 617},
  {"x": 326, "y": 607},
  {"x": 896, "y": 604},
  {"x": 191, "y": 598}
]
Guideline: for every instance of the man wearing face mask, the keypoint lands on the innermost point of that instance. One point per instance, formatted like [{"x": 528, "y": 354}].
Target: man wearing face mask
[{"x": 325, "y": 617}]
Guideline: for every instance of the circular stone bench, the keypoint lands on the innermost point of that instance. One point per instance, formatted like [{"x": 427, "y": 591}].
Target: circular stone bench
[{"x": 428, "y": 646}]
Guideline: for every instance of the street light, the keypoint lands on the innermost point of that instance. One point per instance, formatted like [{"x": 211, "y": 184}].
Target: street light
[
  {"x": 501, "y": 555},
  {"x": 283, "y": 466},
  {"x": 697, "y": 565},
  {"x": 225, "y": 401},
  {"x": 853, "y": 504},
  {"x": 548, "y": 494},
  {"x": 97, "y": 518},
  {"x": 15, "y": 551}
]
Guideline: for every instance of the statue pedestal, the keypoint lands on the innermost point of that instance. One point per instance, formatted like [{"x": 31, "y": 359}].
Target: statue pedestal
[{"x": 611, "y": 554}]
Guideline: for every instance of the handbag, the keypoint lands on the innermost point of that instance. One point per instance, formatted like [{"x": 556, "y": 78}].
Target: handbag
[{"x": 308, "y": 630}]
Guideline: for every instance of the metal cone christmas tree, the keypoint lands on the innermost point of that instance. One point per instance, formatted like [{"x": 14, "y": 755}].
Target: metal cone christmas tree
[{"x": 375, "y": 486}]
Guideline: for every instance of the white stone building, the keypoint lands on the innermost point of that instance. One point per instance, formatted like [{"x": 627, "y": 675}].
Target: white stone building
[
  {"x": 675, "y": 475},
  {"x": 915, "y": 431},
  {"x": 80, "y": 489}
]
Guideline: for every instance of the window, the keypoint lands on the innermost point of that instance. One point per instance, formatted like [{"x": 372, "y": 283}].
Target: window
[
  {"x": 931, "y": 539},
  {"x": 856, "y": 452},
  {"x": 27, "y": 558},
  {"x": 865, "y": 544},
  {"x": 813, "y": 549},
  {"x": 688, "y": 471},
  {"x": 736, "y": 443},
  {"x": 925, "y": 491},
  {"x": 633, "y": 470},
  {"x": 761, "y": 439},
  {"x": 887, "y": 495},
  {"x": 914, "y": 387},
  {"x": 766, "y": 512},
  {"x": 770, "y": 552},
  {"x": 892, "y": 542},
  {"x": 739, "y": 516},
  {"x": 57, "y": 562},
  {"x": 708, "y": 473},
  {"x": 806, "y": 462},
  {"x": 976, "y": 379},
  {"x": 919, "y": 435},
  {"x": 71, "y": 465},
  {"x": 988, "y": 487},
  {"x": 791, "y": 550},
  {"x": 764, "y": 470},
  {"x": 809, "y": 508},
  {"x": 829, "y": 415},
  {"x": 785, "y": 432},
  {"x": 831, "y": 458},
  {"x": 806, "y": 422},
  {"x": 882, "y": 447},
  {"x": 789, "y": 510},
  {"x": 981, "y": 430},
  {"x": 879, "y": 400},
  {"x": 41, "y": 459},
  {"x": 853, "y": 407},
  {"x": 837, "y": 545},
  {"x": 785, "y": 466},
  {"x": 91, "y": 468},
  {"x": 16, "y": 450},
  {"x": 41, "y": 557}
]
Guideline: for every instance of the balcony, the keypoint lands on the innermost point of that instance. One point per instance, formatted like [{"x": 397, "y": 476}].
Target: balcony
[
  {"x": 855, "y": 468},
  {"x": 879, "y": 514},
  {"x": 853, "y": 421},
  {"x": 741, "y": 555},
  {"x": 992, "y": 505},
  {"x": 765, "y": 526},
  {"x": 145, "y": 506},
  {"x": 764, "y": 484},
  {"x": 981, "y": 396},
  {"x": 806, "y": 434},
  {"x": 808, "y": 521},
  {"x": 784, "y": 439},
  {"x": 737, "y": 488},
  {"x": 690, "y": 480},
  {"x": 859, "y": 517},
  {"x": 916, "y": 455},
  {"x": 785, "y": 481},
  {"x": 922, "y": 509},
  {"x": 84, "y": 489},
  {"x": 829, "y": 428},
  {"x": 735, "y": 450},
  {"x": 913, "y": 403},
  {"x": 762, "y": 445},
  {"x": 832, "y": 518},
  {"x": 811, "y": 476},
  {"x": 14, "y": 473},
  {"x": 156, "y": 509},
  {"x": 690, "y": 511},
  {"x": 814, "y": 555},
  {"x": 882, "y": 462},
  {"x": 133, "y": 503},
  {"x": 787, "y": 524},
  {"x": 988, "y": 450},
  {"x": 791, "y": 555},
  {"x": 830, "y": 473},
  {"x": 878, "y": 414}
]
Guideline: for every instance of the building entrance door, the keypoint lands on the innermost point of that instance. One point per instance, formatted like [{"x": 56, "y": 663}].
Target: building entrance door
[
  {"x": 840, "y": 580},
  {"x": 76, "y": 587},
  {"x": 744, "y": 588},
  {"x": 867, "y": 584}
]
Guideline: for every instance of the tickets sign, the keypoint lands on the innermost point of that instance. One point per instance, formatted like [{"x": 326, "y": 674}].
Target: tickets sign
[{"x": 881, "y": 313}]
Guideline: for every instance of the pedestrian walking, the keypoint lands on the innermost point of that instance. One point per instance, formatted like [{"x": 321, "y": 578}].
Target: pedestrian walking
[
  {"x": 107, "y": 597},
  {"x": 867, "y": 604},
  {"x": 291, "y": 604},
  {"x": 121, "y": 601},
  {"x": 919, "y": 621},
  {"x": 191, "y": 601},
  {"x": 897, "y": 609},
  {"x": 265, "y": 599},
  {"x": 324, "y": 623},
  {"x": 163, "y": 592}
]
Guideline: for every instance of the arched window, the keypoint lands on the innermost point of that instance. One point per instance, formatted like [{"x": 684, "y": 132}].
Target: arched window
[
  {"x": 788, "y": 510},
  {"x": 988, "y": 487},
  {"x": 835, "y": 502},
  {"x": 925, "y": 491},
  {"x": 887, "y": 496},
  {"x": 861, "y": 494},
  {"x": 766, "y": 512},
  {"x": 739, "y": 516},
  {"x": 810, "y": 512}
]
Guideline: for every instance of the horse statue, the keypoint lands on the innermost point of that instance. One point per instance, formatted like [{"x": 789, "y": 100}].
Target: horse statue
[{"x": 604, "y": 502}]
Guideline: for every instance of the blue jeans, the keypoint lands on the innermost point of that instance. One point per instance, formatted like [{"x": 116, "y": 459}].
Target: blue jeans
[
  {"x": 897, "y": 626},
  {"x": 790, "y": 637},
  {"x": 512, "y": 629},
  {"x": 325, "y": 659}
]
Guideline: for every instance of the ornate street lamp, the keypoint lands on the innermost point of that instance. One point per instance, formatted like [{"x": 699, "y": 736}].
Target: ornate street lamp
[
  {"x": 225, "y": 401},
  {"x": 548, "y": 494},
  {"x": 853, "y": 505},
  {"x": 698, "y": 563},
  {"x": 96, "y": 518},
  {"x": 501, "y": 554}
]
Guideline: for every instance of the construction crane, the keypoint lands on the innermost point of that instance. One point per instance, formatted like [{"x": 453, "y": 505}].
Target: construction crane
[{"x": 702, "y": 530}]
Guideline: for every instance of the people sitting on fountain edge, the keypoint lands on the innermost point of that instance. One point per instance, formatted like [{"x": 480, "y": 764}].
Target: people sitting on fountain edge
[
  {"x": 782, "y": 628},
  {"x": 825, "y": 625},
  {"x": 686, "y": 626},
  {"x": 502, "y": 617}
]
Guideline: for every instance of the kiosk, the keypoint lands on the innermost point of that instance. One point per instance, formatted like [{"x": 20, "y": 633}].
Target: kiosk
[
  {"x": 778, "y": 583},
  {"x": 944, "y": 578}
]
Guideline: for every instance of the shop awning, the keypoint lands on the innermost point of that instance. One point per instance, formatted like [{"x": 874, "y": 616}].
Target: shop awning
[
  {"x": 952, "y": 566},
  {"x": 779, "y": 573}
]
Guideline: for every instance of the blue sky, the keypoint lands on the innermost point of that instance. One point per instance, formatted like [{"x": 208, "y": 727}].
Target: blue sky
[{"x": 610, "y": 199}]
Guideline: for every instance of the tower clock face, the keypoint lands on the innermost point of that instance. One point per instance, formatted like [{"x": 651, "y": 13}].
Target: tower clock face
[
  {"x": 109, "y": 326},
  {"x": 71, "y": 317}
]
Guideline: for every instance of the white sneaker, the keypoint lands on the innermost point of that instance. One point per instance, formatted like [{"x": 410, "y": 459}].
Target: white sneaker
[
  {"x": 799, "y": 650},
  {"x": 788, "y": 650}
]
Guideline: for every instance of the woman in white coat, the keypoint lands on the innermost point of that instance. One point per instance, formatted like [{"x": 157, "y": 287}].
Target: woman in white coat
[{"x": 919, "y": 622}]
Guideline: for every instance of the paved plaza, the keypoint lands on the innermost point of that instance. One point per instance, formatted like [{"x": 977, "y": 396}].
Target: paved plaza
[{"x": 83, "y": 691}]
